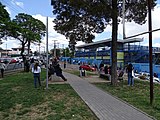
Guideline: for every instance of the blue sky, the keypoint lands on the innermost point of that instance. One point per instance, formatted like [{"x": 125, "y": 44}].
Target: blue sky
[{"x": 42, "y": 8}]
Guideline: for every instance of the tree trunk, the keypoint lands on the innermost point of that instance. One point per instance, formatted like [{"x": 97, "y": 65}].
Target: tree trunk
[
  {"x": 22, "y": 51},
  {"x": 23, "y": 57},
  {"x": 114, "y": 43},
  {"x": 29, "y": 44}
]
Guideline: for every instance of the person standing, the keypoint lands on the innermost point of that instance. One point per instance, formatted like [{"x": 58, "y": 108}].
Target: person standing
[
  {"x": 36, "y": 70},
  {"x": 64, "y": 64},
  {"x": 130, "y": 77},
  {"x": 2, "y": 67}
]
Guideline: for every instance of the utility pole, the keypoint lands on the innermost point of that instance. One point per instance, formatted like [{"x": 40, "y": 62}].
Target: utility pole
[
  {"x": 150, "y": 51},
  {"x": 47, "y": 52}
]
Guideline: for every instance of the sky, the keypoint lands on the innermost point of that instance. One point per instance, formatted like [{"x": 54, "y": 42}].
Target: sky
[{"x": 41, "y": 9}]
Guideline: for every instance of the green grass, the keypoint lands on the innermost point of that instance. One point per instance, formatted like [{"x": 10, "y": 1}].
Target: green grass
[
  {"x": 137, "y": 95},
  {"x": 19, "y": 100}
]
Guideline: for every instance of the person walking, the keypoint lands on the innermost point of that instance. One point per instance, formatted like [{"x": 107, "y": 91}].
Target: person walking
[
  {"x": 58, "y": 69},
  {"x": 36, "y": 70},
  {"x": 2, "y": 67}
]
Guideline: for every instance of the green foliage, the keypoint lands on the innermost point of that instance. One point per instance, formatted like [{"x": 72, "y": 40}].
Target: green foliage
[
  {"x": 4, "y": 21},
  {"x": 26, "y": 29},
  {"x": 82, "y": 18},
  {"x": 79, "y": 19}
]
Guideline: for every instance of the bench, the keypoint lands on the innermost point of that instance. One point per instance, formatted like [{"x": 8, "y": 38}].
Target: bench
[{"x": 105, "y": 76}]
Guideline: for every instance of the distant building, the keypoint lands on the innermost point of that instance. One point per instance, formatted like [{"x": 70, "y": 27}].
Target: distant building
[
  {"x": 12, "y": 52},
  {"x": 126, "y": 52}
]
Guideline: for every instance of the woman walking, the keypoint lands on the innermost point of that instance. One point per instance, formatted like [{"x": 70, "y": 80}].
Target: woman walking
[{"x": 36, "y": 70}]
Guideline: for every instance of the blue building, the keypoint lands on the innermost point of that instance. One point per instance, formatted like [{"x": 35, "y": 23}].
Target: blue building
[{"x": 128, "y": 50}]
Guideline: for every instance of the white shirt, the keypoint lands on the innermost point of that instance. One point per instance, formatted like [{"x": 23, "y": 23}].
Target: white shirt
[
  {"x": 36, "y": 71},
  {"x": 2, "y": 66}
]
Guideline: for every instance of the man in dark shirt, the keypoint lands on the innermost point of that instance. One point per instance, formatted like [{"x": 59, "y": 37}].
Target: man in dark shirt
[{"x": 129, "y": 70}]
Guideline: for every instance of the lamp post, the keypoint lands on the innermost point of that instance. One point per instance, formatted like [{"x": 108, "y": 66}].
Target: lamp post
[{"x": 150, "y": 50}]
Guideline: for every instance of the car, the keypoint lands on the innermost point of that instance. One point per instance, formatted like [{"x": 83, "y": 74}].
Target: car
[
  {"x": 87, "y": 67},
  {"x": 5, "y": 60},
  {"x": 13, "y": 61}
]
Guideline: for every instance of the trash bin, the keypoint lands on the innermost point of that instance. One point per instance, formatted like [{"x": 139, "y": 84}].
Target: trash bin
[{"x": 83, "y": 72}]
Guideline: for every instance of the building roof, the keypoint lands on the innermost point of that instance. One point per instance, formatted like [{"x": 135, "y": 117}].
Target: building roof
[{"x": 107, "y": 42}]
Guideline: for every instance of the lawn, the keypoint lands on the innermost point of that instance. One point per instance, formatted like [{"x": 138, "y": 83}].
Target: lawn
[
  {"x": 137, "y": 95},
  {"x": 19, "y": 100}
]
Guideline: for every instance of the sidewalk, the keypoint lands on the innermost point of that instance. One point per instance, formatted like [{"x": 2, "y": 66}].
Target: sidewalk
[{"x": 105, "y": 106}]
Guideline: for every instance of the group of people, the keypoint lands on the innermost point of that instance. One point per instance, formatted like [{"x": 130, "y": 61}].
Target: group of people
[
  {"x": 54, "y": 67},
  {"x": 129, "y": 69}
]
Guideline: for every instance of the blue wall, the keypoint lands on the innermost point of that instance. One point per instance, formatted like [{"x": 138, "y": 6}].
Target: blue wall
[{"x": 144, "y": 67}]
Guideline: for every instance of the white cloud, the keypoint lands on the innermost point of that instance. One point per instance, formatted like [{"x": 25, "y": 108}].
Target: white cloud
[
  {"x": 20, "y": 4},
  {"x": 52, "y": 34},
  {"x": 8, "y": 10},
  {"x": 133, "y": 29},
  {"x": 10, "y": 43}
]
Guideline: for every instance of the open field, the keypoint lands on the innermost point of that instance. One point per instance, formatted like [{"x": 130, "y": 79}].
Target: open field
[{"x": 19, "y": 100}]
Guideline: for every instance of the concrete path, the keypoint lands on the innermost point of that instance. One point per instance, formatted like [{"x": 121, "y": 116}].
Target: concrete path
[{"x": 105, "y": 106}]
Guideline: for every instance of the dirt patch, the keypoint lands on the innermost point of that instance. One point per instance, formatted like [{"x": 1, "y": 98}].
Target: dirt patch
[{"x": 16, "y": 88}]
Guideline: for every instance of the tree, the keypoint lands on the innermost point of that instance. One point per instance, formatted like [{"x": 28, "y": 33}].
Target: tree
[
  {"x": 4, "y": 21},
  {"x": 71, "y": 21},
  {"x": 93, "y": 16},
  {"x": 25, "y": 29},
  {"x": 38, "y": 29}
]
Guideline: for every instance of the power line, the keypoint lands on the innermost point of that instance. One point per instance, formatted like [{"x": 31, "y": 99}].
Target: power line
[
  {"x": 18, "y": 6},
  {"x": 13, "y": 8}
]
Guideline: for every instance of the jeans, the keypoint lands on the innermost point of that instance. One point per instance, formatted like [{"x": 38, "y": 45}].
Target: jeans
[
  {"x": 130, "y": 79},
  {"x": 36, "y": 76}
]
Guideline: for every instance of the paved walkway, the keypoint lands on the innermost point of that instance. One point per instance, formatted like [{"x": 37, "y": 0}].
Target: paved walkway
[{"x": 105, "y": 106}]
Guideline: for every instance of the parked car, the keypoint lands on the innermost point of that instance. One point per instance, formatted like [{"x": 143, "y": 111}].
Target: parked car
[
  {"x": 13, "y": 61},
  {"x": 5, "y": 60},
  {"x": 87, "y": 67}
]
